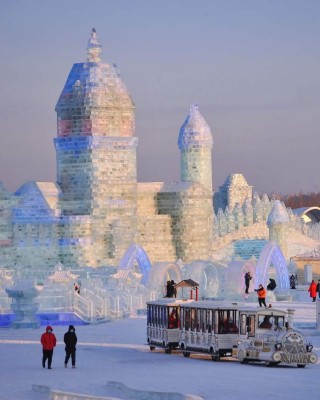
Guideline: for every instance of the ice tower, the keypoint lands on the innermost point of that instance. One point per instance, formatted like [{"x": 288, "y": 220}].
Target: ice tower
[
  {"x": 277, "y": 222},
  {"x": 195, "y": 144},
  {"x": 96, "y": 158}
]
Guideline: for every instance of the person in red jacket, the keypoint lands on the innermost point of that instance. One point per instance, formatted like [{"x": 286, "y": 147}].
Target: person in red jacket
[
  {"x": 262, "y": 293},
  {"x": 48, "y": 341},
  {"x": 313, "y": 290}
]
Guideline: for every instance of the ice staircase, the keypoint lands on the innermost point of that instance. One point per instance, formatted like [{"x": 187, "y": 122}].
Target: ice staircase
[{"x": 90, "y": 307}]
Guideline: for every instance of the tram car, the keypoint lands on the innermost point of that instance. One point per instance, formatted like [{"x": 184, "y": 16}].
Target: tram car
[
  {"x": 208, "y": 327},
  {"x": 221, "y": 329},
  {"x": 267, "y": 335},
  {"x": 163, "y": 323}
]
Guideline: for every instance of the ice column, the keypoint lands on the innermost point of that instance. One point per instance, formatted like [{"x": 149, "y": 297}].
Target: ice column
[{"x": 195, "y": 144}]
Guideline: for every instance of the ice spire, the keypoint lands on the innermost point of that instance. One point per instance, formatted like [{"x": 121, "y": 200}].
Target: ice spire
[
  {"x": 93, "y": 48},
  {"x": 278, "y": 214},
  {"x": 195, "y": 143},
  {"x": 195, "y": 130}
]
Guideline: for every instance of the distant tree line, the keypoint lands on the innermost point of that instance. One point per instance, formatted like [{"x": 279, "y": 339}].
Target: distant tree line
[{"x": 298, "y": 200}]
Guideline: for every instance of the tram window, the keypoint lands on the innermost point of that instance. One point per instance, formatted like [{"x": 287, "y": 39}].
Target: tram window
[
  {"x": 209, "y": 321},
  {"x": 265, "y": 322},
  {"x": 163, "y": 317},
  {"x": 156, "y": 316},
  {"x": 204, "y": 320},
  {"x": 279, "y": 322},
  {"x": 182, "y": 324},
  {"x": 198, "y": 319},
  {"x": 193, "y": 319},
  {"x": 187, "y": 313},
  {"x": 251, "y": 326},
  {"x": 243, "y": 324},
  {"x": 223, "y": 319},
  {"x": 151, "y": 316}
]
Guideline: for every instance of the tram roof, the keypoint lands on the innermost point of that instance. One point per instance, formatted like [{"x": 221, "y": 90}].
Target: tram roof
[
  {"x": 169, "y": 302},
  {"x": 244, "y": 307},
  {"x": 214, "y": 304}
]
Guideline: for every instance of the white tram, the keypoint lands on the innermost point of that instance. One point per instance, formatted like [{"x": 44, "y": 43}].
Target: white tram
[
  {"x": 163, "y": 322},
  {"x": 267, "y": 335},
  {"x": 227, "y": 329}
]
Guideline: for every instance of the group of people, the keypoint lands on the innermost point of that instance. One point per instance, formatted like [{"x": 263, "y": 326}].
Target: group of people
[
  {"x": 314, "y": 288},
  {"x": 77, "y": 287},
  {"x": 261, "y": 291},
  {"x": 49, "y": 341},
  {"x": 171, "y": 291}
]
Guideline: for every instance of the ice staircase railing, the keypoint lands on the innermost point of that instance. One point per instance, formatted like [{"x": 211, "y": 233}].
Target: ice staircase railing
[{"x": 91, "y": 307}]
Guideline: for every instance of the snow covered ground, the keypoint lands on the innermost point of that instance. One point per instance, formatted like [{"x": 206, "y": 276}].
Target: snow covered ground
[{"x": 117, "y": 351}]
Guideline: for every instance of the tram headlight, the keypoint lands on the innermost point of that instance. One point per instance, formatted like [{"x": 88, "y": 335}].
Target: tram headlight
[
  {"x": 309, "y": 348},
  {"x": 277, "y": 356},
  {"x": 278, "y": 346}
]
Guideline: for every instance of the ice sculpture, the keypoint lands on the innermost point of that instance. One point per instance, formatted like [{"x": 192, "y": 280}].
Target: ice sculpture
[
  {"x": 271, "y": 254},
  {"x": 23, "y": 294}
]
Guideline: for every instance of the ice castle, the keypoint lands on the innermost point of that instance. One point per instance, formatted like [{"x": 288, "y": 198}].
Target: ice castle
[{"x": 97, "y": 211}]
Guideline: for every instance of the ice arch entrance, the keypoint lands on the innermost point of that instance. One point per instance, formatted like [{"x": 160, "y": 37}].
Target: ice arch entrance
[
  {"x": 206, "y": 273},
  {"x": 135, "y": 253},
  {"x": 162, "y": 272},
  {"x": 271, "y": 254}
]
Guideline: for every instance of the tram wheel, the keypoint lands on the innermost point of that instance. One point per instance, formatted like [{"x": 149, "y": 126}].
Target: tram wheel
[
  {"x": 271, "y": 364},
  {"x": 186, "y": 354},
  {"x": 152, "y": 348},
  {"x": 244, "y": 361},
  {"x": 167, "y": 350},
  {"x": 215, "y": 357},
  {"x": 301, "y": 365}
]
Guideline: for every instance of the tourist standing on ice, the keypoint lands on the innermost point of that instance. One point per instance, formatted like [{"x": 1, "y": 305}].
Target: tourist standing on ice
[
  {"x": 48, "y": 341},
  {"x": 247, "y": 279},
  {"x": 272, "y": 285},
  {"x": 77, "y": 288},
  {"x": 262, "y": 293},
  {"x": 70, "y": 340},
  {"x": 173, "y": 289},
  {"x": 313, "y": 290}
]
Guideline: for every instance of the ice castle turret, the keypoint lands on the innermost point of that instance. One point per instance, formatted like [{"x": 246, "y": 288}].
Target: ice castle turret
[
  {"x": 278, "y": 221},
  {"x": 195, "y": 144},
  {"x": 96, "y": 154}
]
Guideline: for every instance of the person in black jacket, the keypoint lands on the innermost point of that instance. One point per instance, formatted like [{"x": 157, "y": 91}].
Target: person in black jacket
[
  {"x": 247, "y": 279},
  {"x": 70, "y": 340},
  {"x": 272, "y": 285}
]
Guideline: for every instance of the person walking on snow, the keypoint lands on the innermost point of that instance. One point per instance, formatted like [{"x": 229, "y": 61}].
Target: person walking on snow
[
  {"x": 313, "y": 290},
  {"x": 262, "y": 293},
  {"x": 70, "y": 340},
  {"x": 48, "y": 341}
]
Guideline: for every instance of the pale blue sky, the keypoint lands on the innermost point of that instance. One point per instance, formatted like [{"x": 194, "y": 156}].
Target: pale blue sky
[{"x": 251, "y": 66}]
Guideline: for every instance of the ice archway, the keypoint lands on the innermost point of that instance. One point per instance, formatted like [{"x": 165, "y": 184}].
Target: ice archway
[
  {"x": 161, "y": 272},
  {"x": 271, "y": 254},
  {"x": 136, "y": 253}
]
